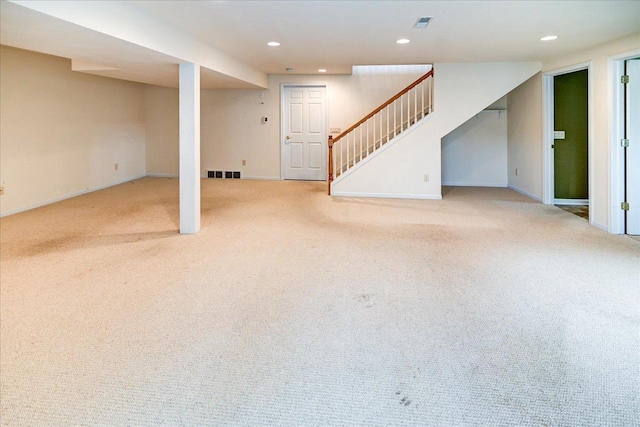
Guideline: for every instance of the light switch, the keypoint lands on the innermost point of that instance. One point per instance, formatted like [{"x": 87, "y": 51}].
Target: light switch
[{"x": 558, "y": 134}]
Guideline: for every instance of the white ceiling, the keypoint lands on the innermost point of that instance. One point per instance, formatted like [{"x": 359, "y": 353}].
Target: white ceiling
[
  {"x": 333, "y": 34},
  {"x": 338, "y": 34},
  {"x": 97, "y": 53}
]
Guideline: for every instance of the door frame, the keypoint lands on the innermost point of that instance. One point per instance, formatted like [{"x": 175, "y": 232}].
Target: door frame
[
  {"x": 283, "y": 87},
  {"x": 615, "y": 89},
  {"x": 548, "y": 191}
]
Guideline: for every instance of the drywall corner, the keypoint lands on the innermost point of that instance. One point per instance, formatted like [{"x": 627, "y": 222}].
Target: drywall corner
[{"x": 524, "y": 137}]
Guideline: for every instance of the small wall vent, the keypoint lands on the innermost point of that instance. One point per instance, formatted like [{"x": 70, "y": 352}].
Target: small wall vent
[
  {"x": 231, "y": 175},
  {"x": 214, "y": 174}
]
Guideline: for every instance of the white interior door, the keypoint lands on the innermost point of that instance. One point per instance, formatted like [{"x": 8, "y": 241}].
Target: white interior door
[
  {"x": 632, "y": 163},
  {"x": 305, "y": 133}
]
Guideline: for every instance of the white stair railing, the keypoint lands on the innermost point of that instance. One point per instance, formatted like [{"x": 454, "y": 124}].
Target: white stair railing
[{"x": 383, "y": 124}]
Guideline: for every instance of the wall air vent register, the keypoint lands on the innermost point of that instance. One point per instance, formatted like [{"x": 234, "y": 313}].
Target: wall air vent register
[
  {"x": 422, "y": 22},
  {"x": 223, "y": 174}
]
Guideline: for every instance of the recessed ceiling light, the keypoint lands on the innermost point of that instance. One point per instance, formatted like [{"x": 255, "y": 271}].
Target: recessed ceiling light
[
  {"x": 322, "y": 70},
  {"x": 403, "y": 41},
  {"x": 548, "y": 38},
  {"x": 274, "y": 44}
]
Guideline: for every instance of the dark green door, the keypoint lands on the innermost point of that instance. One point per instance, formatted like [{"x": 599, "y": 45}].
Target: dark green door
[{"x": 571, "y": 93}]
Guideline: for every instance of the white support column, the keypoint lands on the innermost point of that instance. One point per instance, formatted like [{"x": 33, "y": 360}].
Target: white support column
[{"x": 189, "y": 148}]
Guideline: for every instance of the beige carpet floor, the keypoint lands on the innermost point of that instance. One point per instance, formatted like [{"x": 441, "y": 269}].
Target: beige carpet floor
[{"x": 292, "y": 308}]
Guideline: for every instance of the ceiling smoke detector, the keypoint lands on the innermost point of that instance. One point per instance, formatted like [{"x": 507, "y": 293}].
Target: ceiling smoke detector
[{"x": 423, "y": 22}]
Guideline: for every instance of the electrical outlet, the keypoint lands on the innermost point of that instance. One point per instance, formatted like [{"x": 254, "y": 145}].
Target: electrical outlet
[
  {"x": 426, "y": 177},
  {"x": 1, "y": 190},
  {"x": 244, "y": 162},
  {"x": 516, "y": 171},
  {"x": 115, "y": 167}
]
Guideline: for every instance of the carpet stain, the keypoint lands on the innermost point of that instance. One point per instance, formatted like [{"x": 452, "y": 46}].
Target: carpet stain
[
  {"x": 525, "y": 411},
  {"x": 75, "y": 241},
  {"x": 365, "y": 299},
  {"x": 51, "y": 245},
  {"x": 405, "y": 400}
]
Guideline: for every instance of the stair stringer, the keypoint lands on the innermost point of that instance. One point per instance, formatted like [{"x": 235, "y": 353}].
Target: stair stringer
[{"x": 461, "y": 90}]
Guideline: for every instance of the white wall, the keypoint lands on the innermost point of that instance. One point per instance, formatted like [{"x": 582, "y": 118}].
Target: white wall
[
  {"x": 527, "y": 138},
  {"x": 232, "y": 132},
  {"x": 162, "y": 117},
  {"x": 62, "y": 132},
  {"x": 524, "y": 135},
  {"x": 461, "y": 90},
  {"x": 231, "y": 127},
  {"x": 398, "y": 169},
  {"x": 475, "y": 154},
  {"x": 600, "y": 126}
]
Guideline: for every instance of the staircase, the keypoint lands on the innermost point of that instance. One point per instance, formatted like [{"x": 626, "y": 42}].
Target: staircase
[
  {"x": 382, "y": 125},
  {"x": 395, "y": 152}
]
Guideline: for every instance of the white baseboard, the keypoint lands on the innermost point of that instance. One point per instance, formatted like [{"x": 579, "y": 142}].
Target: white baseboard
[
  {"x": 162, "y": 175},
  {"x": 475, "y": 184},
  {"x": 387, "y": 195},
  {"x": 524, "y": 193},
  {"x": 263, "y": 178},
  {"x": 69, "y": 196},
  {"x": 257, "y": 178},
  {"x": 600, "y": 226},
  {"x": 571, "y": 202}
]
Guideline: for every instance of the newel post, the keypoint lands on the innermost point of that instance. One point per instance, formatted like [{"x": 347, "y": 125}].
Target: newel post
[{"x": 330, "y": 180}]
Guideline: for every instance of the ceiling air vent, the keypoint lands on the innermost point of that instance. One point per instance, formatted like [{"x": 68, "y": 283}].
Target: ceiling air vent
[{"x": 422, "y": 22}]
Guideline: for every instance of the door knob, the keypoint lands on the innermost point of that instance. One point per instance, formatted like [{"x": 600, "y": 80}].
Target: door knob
[{"x": 288, "y": 137}]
